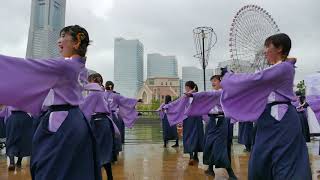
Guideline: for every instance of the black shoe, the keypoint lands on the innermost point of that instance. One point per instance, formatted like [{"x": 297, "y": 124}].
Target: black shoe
[
  {"x": 231, "y": 174},
  {"x": 191, "y": 162},
  {"x": 209, "y": 172},
  {"x": 18, "y": 165},
  {"x": 11, "y": 167},
  {"x": 196, "y": 159},
  {"x": 176, "y": 145},
  {"x": 165, "y": 146}
]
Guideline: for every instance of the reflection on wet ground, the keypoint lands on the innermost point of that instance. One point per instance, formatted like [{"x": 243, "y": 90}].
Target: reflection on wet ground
[{"x": 145, "y": 158}]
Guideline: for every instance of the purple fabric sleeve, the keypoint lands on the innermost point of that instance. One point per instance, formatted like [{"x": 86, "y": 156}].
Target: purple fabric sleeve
[
  {"x": 176, "y": 110},
  {"x": 245, "y": 95},
  {"x": 203, "y": 102}
]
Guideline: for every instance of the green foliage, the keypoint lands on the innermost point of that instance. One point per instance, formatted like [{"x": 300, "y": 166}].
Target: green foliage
[
  {"x": 301, "y": 87},
  {"x": 155, "y": 104}
]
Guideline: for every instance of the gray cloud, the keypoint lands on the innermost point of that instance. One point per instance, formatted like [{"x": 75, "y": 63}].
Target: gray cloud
[{"x": 166, "y": 27}]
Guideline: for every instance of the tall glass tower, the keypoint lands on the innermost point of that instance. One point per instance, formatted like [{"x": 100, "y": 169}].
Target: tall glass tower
[
  {"x": 46, "y": 21},
  {"x": 128, "y": 66}
]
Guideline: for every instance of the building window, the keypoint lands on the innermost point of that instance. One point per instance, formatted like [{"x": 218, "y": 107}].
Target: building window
[
  {"x": 170, "y": 84},
  {"x": 56, "y": 18},
  {"x": 166, "y": 84},
  {"x": 161, "y": 83},
  {"x": 162, "y": 97},
  {"x": 40, "y": 14}
]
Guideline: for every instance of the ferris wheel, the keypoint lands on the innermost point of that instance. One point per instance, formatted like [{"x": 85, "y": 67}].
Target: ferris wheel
[{"x": 249, "y": 29}]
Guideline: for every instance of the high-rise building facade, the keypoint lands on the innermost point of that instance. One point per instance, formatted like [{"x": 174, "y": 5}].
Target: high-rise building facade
[
  {"x": 46, "y": 21},
  {"x": 161, "y": 66},
  {"x": 190, "y": 73},
  {"x": 128, "y": 66}
]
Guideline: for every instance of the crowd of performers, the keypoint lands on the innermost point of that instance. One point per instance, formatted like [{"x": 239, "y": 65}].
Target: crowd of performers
[
  {"x": 272, "y": 119},
  {"x": 72, "y": 124}
]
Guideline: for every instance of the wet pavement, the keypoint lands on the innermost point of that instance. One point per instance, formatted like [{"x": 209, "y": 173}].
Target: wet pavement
[{"x": 144, "y": 158}]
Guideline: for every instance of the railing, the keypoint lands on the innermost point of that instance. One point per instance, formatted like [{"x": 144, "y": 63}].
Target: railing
[{"x": 148, "y": 129}]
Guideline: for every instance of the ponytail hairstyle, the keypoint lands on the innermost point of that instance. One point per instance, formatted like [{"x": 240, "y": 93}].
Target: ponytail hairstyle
[
  {"x": 109, "y": 85},
  {"x": 192, "y": 85},
  {"x": 79, "y": 35},
  {"x": 96, "y": 78},
  {"x": 167, "y": 99}
]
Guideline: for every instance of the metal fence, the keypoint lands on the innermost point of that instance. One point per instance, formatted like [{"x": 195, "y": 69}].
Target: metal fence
[{"x": 148, "y": 129}]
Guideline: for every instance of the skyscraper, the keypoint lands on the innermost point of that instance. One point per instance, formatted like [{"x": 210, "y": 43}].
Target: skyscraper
[
  {"x": 128, "y": 66},
  {"x": 190, "y": 73},
  {"x": 161, "y": 66},
  {"x": 46, "y": 21}
]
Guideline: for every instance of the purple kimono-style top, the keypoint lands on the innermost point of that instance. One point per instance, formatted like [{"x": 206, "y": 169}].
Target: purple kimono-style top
[
  {"x": 161, "y": 112},
  {"x": 175, "y": 110},
  {"x": 96, "y": 102},
  {"x": 313, "y": 94},
  {"x": 124, "y": 107},
  {"x": 37, "y": 83},
  {"x": 246, "y": 95},
  {"x": 207, "y": 102}
]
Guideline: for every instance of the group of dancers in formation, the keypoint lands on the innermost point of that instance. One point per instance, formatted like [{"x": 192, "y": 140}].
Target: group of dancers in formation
[{"x": 72, "y": 125}]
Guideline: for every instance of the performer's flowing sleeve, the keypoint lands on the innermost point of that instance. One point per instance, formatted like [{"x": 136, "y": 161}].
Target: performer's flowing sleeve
[
  {"x": 244, "y": 96},
  {"x": 160, "y": 111},
  {"x": 5, "y": 113},
  {"x": 313, "y": 94},
  {"x": 203, "y": 102},
  {"x": 176, "y": 110},
  {"x": 25, "y": 83},
  {"x": 127, "y": 110}
]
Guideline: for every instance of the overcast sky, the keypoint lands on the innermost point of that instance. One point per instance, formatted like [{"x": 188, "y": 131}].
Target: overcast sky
[{"x": 165, "y": 26}]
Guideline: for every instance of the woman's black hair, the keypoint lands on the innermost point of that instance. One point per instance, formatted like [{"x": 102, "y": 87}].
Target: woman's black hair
[
  {"x": 78, "y": 33},
  {"x": 167, "y": 99},
  {"x": 109, "y": 85},
  {"x": 302, "y": 99},
  {"x": 280, "y": 40},
  {"x": 192, "y": 85},
  {"x": 96, "y": 77},
  {"x": 218, "y": 77}
]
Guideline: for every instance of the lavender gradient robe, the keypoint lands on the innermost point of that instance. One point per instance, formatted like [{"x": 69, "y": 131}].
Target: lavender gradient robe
[
  {"x": 59, "y": 82},
  {"x": 313, "y": 94},
  {"x": 204, "y": 102},
  {"x": 160, "y": 110},
  {"x": 175, "y": 110},
  {"x": 192, "y": 125},
  {"x": 314, "y": 103},
  {"x": 245, "y": 96},
  {"x": 168, "y": 132},
  {"x": 96, "y": 102},
  {"x": 280, "y": 150},
  {"x": 125, "y": 107},
  {"x": 4, "y": 114},
  {"x": 105, "y": 130},
  {"x": 41, "y": 76},
  {"x": 218, "y": 135}
]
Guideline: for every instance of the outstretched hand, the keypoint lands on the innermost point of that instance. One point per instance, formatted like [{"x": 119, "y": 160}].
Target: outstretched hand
[{"x": 188, "y": 94}]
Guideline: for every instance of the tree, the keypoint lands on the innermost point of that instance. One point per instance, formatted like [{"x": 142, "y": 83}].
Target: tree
[{"x": 302, "y": 87}]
